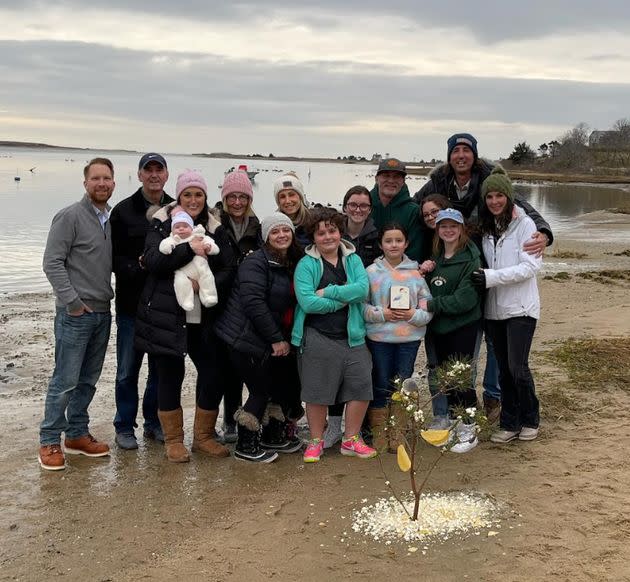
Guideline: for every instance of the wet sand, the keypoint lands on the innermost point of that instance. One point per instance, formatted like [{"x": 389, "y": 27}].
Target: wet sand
[{"x": 134, "y": 516}]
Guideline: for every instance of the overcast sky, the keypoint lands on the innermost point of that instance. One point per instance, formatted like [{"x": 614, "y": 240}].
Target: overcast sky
[{"x": 322, "y": 78}]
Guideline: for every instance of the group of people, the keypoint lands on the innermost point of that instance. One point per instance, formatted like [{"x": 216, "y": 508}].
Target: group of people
[{"x": 315, "y": 311}]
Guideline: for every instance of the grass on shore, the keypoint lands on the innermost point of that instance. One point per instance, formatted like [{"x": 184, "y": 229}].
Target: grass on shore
[
  {"x": 620, "y": 210},
  {"x": 591, "y": 366},
  {"x": 605, "y": 276},
  {"x": 558, "y": 254}
]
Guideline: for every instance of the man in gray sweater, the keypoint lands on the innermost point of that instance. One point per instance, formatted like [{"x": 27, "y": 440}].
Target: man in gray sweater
[{"x": 78, "y": 265}]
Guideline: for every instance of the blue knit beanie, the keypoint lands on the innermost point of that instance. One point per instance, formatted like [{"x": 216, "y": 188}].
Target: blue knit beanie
[{"x": 461, "y": 139}]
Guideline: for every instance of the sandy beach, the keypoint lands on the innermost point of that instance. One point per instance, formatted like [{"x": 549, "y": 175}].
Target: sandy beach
[{"x": 134, "y": 516}]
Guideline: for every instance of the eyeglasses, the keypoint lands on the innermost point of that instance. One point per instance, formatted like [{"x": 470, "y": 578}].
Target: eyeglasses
[
  {"x": 430, "y": 214},
  {"x": 244, "y": 198},
  {"x": 361, "y": 207}
]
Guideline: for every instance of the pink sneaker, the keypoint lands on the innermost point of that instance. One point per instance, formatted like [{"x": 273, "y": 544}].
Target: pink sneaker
[
  {"x": 356, "y": 447},
  {"x": 314, "y": 450}
]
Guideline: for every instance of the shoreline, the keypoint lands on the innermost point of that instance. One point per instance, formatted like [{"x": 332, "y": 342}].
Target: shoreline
[{"x": 525, "y": 174}]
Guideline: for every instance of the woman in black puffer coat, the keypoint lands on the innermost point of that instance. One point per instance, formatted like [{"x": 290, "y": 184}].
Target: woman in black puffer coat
[
  {"x": 166, "y": 331},
  {"x": 257, "y": 325},
  {"x": 236, "y": 214}
]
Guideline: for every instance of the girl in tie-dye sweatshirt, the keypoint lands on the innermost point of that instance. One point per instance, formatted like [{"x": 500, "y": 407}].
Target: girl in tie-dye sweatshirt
[{"x": 393, "y": 335}]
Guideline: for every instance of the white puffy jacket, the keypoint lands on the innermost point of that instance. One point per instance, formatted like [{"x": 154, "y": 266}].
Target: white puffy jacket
[{"x": 511, "y": 276}]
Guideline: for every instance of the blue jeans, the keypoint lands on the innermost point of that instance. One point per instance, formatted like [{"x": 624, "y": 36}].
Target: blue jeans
[
  {"x": 129, "y": 362},
  {"x": 491, "y": 387},
  {"x": 390, "y": 361},
  {"x": 439, "y": 401},
  {"x": 80, "y": 346}
]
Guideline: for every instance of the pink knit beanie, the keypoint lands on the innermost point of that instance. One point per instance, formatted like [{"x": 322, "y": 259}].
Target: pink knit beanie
[
  {"x": 190, "y": 179},
  {"x": 237, "y": 182}
]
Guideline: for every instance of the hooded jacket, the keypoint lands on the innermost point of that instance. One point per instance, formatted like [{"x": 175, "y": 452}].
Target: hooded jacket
[
  {"x": 442, "y": 181},
  {"x": 366, "y": 244},
  {"x": 382, "y": 276},
  {"x": 511, "y": 276},
  {"x": 161, "y": 326},
  {"x": 406, "y": 212},
  {"x": 262, "y": 297},
  {"x": 456, "y": 302},
  {"x": 308, "y": 274}
]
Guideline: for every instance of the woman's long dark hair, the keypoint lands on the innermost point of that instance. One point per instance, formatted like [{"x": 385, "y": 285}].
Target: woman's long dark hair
[
  {"x": 203, "y": 216},
  {"x": 495, "y": 225}
]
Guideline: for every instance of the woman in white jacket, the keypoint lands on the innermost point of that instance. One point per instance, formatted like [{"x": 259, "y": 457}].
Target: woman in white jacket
[{"x": 512, "y": 304}]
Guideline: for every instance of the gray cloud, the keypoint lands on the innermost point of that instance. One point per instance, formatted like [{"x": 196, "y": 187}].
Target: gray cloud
[
  {"x": 489, "y": 21},
  {"x": 200, "y": 89}
]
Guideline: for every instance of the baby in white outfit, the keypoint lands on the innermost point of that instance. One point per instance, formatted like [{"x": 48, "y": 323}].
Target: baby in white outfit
[{"x": 183, "y": 231}]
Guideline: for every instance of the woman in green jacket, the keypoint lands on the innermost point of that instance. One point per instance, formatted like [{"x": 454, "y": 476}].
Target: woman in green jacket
[{"x": 456, "y": 303}]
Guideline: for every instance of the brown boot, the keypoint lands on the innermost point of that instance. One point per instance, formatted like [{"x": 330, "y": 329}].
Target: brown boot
[
  {"x": 204, "y": 439},
  {"x": 492, "y": 409},
  {"x": 172, "y": 422},
  {"x": 377, "y": 417}
]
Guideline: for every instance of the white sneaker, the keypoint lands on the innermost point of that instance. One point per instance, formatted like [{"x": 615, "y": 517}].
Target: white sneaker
[
  {"x": 528, "y": 433},
  {"x": 333, "y": 432},
  {"x": 504, "y": 436},
  {"x": 466, "y": 436}
]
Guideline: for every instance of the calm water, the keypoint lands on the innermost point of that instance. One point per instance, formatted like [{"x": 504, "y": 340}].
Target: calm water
[{"x": 29, "y": 205}]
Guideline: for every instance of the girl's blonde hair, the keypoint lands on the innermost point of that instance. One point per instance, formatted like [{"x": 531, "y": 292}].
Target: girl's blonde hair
[{"x": 438, "y": 243}]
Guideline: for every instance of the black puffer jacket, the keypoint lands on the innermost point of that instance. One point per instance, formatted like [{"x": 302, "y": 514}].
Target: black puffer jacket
[
  {"x": 160, "y": 327},
  {"x": 366, "y": 244},
  {"x": 129, "y": 229},
  {"x": 442, "y": 181},
  {"x": 250, "y": 241},
  {"x": 260, "y": 308}
]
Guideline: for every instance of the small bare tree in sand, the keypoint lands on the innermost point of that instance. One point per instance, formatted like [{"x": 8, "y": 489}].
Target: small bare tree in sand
[{"x": 407, "y": 425}]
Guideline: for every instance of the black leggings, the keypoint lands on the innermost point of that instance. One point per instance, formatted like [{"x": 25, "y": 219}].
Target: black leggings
[
  {"x": 458, "y": 344},
  {"x": 271, "y": 379},
  {"x": 512, "y": 339},
  {"x": 171, "y": 369},
  {"x": 231, "y": 382}
]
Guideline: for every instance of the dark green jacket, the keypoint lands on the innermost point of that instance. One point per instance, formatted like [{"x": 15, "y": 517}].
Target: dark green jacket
[
  {"x": 406, "y": 212},
  {"x": 456, "y": 302}
]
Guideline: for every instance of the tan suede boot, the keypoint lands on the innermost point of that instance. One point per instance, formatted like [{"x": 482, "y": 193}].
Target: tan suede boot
[
  {"x": 204, "y": 439},
  {"x": 172, "y": 422},
  {"x": 377, "y": 417}
]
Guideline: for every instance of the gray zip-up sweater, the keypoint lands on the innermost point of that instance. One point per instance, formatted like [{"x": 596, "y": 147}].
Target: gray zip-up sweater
[{"x": 78, "y": 258}]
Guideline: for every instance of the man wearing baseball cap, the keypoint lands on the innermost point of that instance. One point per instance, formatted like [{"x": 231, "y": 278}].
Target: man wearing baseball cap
[
  {"x": 391, "y": 202},
  {"x": 129, "y": 227}
]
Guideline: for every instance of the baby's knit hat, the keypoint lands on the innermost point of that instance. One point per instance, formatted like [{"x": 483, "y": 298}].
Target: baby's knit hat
[
  {"x": 190, "y": 179},
  {"x": 289, "y": 181},
  {"x": 237, "y": 182},
  {"x": 498, "y": 181},
  {"x": 182, "y": 217},
  {"x": 270, "y": 222}
]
